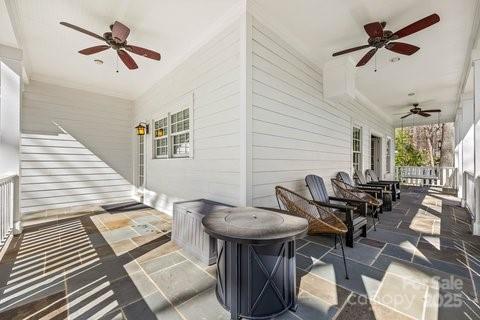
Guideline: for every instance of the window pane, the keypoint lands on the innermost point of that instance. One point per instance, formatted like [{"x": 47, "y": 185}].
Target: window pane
[{"x": 186, "y": 113}]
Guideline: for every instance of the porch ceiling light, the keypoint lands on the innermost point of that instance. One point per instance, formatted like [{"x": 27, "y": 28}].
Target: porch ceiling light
[{"x": 142, "y": 128}]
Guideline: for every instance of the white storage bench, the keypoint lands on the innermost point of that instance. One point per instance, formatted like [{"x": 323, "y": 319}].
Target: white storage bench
[{"x": 187, "y": 228}]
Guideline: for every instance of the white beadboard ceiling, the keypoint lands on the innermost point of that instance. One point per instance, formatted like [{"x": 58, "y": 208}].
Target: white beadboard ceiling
[
  {"x": 171, "y": 27},
  {"x": 316, "y": 28},
  {"x": 433, "y": 73}
]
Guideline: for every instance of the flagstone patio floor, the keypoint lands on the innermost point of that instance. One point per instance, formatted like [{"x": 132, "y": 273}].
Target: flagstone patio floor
[{"x": 118, "y": 262}]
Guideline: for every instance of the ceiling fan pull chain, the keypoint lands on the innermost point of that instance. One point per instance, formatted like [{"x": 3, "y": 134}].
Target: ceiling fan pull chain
[
  {"x": 116, "y": 62},
  {"x": 375, "y": 63}
]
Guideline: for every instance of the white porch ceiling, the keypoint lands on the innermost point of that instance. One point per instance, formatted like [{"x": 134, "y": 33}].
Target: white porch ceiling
[
  {"x": 434, "y": 73},
  {"x": 316, "y": 28},
  {"x": 171, "y": 27}
]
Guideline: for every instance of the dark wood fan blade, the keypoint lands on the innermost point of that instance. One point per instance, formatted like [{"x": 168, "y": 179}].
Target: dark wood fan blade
[
  {"x": 374, "y": 29},
  {"x": 74, "y": 27},
  {"x": 424, "y": 114},
  {"x": 406, "y": 116},
  {"x": 93, "y": 50},
  {"x": 417, "y": 26},
  {"x": 402, "y": 48},
  {"x": 350, "y": 50},
  {"x": 432, "y": 110},
  {"x": 366, "y": 57},
  {"x": 127, "y": 59},
  {"x": 147, "y": 53},
  {"x": 120, "y": 32}
]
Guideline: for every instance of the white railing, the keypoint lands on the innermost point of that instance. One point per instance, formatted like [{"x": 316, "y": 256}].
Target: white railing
[
  {"x": 8, "y": 206},
  {"x": 435, "y": 176}
]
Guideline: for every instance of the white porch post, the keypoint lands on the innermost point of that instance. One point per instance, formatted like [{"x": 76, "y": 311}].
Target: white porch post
[
  {"x": 476, "y": 144},
  {"x": 10, "y": 134}
]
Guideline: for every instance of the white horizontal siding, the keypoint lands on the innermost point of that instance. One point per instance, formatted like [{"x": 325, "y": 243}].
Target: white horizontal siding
[
  {"x": 211, "y": 75},
  {"x": 76, "y": 148},
  {"x": 295, "y": 131}
]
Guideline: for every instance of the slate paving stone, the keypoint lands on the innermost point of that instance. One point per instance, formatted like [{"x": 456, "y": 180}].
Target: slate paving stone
[
  {"x": 362, "y": 278},
  {"x": 312, "y": 308},
  {"x": 404, "y": 252},
  {"x": 53, "y": 306},
  {"x": 162, "y": 262},
  {"x": 182, "y": 282},
  {"x": 152, "y": 307},
  {"x": 313, "y": 250},
  {"x": 444, "y": 266},
  {"x": 360, "y": 252},
  {"x": 371, "y": 242},
  {"x": 383, "y": 262},
  {"x": 392, "y": 237},
  {"x": 402, "y": 295},
  {"x": 203, "y": 306},
  {"x": 446, "y": 254},
  {"x": 322, "y": 289},
  {"x": 360, "y": 308},
  {"x": 119, "y": 234}
]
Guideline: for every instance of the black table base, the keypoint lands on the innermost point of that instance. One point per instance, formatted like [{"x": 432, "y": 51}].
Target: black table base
[{"x": 256, "y": 281}]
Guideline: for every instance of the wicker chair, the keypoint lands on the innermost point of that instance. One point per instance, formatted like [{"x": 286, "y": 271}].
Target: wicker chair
[
  {"x": 360, "y": 179},
  {"x": 379, "y": 192},
  {"x": 352, "y": 214},
  {"x": 321, "y": 220},
  {"x": 370, "y": 174},
  {"x": 346, "y": 191}
]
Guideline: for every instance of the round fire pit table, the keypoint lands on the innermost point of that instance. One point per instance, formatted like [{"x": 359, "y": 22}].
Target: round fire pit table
[{"x": 256, "y": 276}]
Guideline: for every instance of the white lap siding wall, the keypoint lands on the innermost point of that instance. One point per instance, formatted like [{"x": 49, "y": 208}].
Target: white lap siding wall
[
  {"x": 295, "y": 131},
  {"x": 211, "y": 78},
  {"x": 75, "y": 148}
]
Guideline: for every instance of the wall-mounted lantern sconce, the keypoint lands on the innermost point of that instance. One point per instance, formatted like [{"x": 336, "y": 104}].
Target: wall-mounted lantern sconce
[{"x": 142, "y": 129}]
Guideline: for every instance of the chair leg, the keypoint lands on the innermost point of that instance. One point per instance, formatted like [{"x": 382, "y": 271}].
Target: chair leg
[
  {"x": 373, "y": 219},
  {"x": 344, "y": 260},
  {"x": 335, "y": 241},
  {"x": 364, "y": 231}
]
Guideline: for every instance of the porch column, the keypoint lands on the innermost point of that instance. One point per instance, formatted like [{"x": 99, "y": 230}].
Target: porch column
[
  {"x": 10, "y": 134},
  {"x": 476, "y": 145}
]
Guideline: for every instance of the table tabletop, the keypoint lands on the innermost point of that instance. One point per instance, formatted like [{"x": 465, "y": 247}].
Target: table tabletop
[{"x": 254, "y": 225}]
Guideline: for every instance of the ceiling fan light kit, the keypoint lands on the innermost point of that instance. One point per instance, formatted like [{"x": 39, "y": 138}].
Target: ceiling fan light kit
[
  {"x": 117, "y": 40},
  {"x": 381, "y": 38}
]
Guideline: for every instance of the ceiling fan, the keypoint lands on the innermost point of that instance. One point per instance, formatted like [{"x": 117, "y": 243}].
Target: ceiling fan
[
  {"x": 379, "y": 38},
  {"x": 117, "y": 40},
  {"x": 417, "y": 110}
]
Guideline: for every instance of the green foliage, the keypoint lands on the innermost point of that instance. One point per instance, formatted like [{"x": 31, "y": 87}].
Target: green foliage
[{"x": 406, "y": 153}]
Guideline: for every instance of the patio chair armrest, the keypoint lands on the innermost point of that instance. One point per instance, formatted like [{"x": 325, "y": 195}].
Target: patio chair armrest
[
  {"x": 342, "y": 207},
  {"x": 371, "y": 186},
  {"x": 348, "y": 210},
  {"x": 357, "y": 203},
  {"x": 375, "y": 192}
]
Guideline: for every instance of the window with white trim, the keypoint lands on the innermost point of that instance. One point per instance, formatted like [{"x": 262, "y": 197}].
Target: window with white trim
[
  {"x": 172, "y": 135},
  {"x": 180, "y": 129},
  {"x": 160, "y": 136},
  {"x": 389, "y": 155},
  {"x": 357, "y": 149}
]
